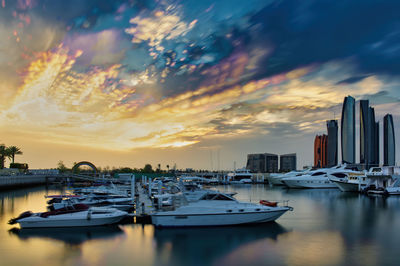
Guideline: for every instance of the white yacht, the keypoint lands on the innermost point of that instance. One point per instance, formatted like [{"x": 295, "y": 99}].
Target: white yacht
[
  {"x": 240, "y": 176},
  {"x": 276, "y": 179},
  {"x": 74, "y": 216},
  {"x": 383, "y": 180},
  {"x": 349, "y": 181},
  {"x": 109, "y": 201},
  {"x": 216, "y": 209},
  {"x": 314, "y": 179}
]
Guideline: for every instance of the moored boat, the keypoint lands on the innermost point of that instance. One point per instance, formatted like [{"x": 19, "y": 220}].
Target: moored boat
[
  {"x": 217, "y": 209},
  {"x": 71, "y": 216}
]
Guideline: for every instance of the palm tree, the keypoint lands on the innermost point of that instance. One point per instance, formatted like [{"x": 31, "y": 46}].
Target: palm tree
[
  {"x": 4, "y": 152},
  {"x": 12, "y": 151}
]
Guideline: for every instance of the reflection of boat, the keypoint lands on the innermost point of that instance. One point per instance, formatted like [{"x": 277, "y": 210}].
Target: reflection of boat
[
  {"x": 216, "y": 209},
  {"x": 186, "y": 243},
  {"x": 69, "y": 235}
]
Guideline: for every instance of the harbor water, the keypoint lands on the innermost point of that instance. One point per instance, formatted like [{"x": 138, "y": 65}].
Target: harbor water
[{"x": 327, "y": 227}]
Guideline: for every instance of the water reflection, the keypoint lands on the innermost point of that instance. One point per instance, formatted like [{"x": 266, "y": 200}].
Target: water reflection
[
  {"x": 72, "y": 236},
  {"x": 184, "y": 246},
  {"x": 327, "y": 227}
]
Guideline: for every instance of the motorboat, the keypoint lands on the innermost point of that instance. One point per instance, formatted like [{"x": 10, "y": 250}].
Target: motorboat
[
  {"x": 217, "y": 209},
  {"x": 276, "y": 179},
  {"x": 110, "y": 201},
  {"x": 383, "y": 181},
  {"x": 72, "y": 216},
  {"x": 315, "y": 178},
  {"x": 240, "y": 176},
  {"x": 349, "y": 181}
]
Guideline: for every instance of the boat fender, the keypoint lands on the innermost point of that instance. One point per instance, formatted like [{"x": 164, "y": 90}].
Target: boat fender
[{"x": 89, "y": 215}]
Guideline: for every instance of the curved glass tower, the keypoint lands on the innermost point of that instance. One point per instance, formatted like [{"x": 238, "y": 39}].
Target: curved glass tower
[
  {"x": 332, "y": 151},
  {"x": 365, "y": 133},
  {"x": 348, "y": 133},
  {"x": 389, "y": 145}
]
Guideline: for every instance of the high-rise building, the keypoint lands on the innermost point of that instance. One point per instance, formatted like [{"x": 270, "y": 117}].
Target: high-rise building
[
  {"x": 376, "y": 145},
  {"x": 389, "y": 145},
  {"x": 348, "y": 131},
  {"x": 320, "y": 151},
  {"x": 372, "y": 139},
  {"x": 288, "y": 162},
  {"x": 365, "y": 132},
  {"x": 262, "y": 163},
  {"x": 332, "y": 151}
]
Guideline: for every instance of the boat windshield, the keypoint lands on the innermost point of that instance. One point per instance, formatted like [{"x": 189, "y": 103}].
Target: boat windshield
[
  {"x": 318, "y": 173},
  {"x": 215, "y": 197},
  {"x": 339, "y": 175}
]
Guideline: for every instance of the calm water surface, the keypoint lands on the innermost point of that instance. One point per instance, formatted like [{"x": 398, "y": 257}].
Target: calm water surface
[{"x": 327, "y": 227}]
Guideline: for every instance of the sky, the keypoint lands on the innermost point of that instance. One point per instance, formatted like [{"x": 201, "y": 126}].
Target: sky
[{"x": 199, "y": 84}]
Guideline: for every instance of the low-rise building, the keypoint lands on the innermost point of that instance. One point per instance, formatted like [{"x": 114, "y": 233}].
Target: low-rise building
[
  {"x": 288, "y": 162},
  {"x": 262, "y": 163}
]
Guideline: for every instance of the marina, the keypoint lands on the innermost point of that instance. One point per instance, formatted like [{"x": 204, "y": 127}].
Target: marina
[{"x": 321, "y": 217}]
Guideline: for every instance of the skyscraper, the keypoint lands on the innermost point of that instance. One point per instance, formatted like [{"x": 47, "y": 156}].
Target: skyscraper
[
  {"x": 365, "y": 132},
  {"x": 389, "y": 145},
  {"x": 320, "y": 151},
  {"x": 332, "y": 151},
  {"x": 376, "y": 144},
  {"x": 371, "y": 140},
  {"x": 348, "y": 132}
]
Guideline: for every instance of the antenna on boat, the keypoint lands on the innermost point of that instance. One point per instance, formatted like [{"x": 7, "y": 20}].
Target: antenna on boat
[
  {"x": 218, "y": 160},
  {"x": 211, "y": 160},
  {"x": 234, "y": 166}
]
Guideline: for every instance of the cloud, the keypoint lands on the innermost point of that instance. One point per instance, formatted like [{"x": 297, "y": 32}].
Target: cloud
[{"x": 157, "y": 27}]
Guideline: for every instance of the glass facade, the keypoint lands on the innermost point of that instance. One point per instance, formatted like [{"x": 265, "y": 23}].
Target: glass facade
[
  {"x": 288, "y": 162},
  {"x": 332, "y": 151},
  {"x": 348, "y": 133},
  {"x": 364, "y": 132},
  {"x": 389, "y": 145}
]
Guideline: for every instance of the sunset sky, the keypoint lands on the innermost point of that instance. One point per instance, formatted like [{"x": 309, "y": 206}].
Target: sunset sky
[{"x": 196, "y": 83}]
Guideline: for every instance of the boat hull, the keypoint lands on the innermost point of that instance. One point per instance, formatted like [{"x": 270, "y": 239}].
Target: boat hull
[
  {"x": 347, "y": 187},
  {"x": 71, "y": 220},
  {"x": 217, "y": 219},
  {"x": 275, "y": 180},
  {"x": 314, "y": 183}
]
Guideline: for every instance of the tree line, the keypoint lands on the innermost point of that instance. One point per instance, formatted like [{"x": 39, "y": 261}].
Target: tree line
[{"x": 148, "y": 169}]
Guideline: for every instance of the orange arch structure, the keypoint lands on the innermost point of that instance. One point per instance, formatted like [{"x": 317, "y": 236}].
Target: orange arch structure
[{"x": 76, "y": 166}]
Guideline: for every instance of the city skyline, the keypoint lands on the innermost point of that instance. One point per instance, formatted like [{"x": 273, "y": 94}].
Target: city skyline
[{"x": 124, "y": 83}]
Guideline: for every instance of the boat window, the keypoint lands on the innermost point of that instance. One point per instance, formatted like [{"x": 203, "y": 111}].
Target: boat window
[
  {"x": 100, "y": 212},
  {"x": 340, "y": 175},
  {"x": 221, "y": 197},
  {"x": 257, "y": 209},
  {"x": 181, "y": 217},
  {"x": 318, "y": 173},
  {"x": 208, "y": 197},
  {"x": 228, "y": 210},
  {"x": 241, "y": 210}
]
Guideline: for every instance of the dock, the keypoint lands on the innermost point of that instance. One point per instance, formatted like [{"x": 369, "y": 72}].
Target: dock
[
  {"x": 15, "y": 181},
  {"x": 144, "y": 205}
]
